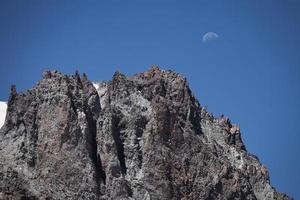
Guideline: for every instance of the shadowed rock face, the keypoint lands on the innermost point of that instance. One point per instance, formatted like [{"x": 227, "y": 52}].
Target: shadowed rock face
[{"x": 141, "y": 137}]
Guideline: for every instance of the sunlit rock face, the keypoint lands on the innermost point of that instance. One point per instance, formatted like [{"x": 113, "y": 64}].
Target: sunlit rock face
[{"x": 140, "y": 137}]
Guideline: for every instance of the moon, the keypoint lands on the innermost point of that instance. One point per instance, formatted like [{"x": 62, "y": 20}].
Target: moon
[{"x": 209, "y": 36}]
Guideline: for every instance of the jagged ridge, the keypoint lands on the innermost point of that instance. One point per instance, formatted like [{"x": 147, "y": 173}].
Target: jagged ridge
[{"x": 139, "y": 137}]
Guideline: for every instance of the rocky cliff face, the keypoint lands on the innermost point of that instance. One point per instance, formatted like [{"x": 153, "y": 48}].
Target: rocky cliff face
[{"x": 142, "y": 137}]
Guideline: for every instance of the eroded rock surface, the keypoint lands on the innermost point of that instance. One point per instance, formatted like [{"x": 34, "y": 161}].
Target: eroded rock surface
[{"x": 141, "y": 137}]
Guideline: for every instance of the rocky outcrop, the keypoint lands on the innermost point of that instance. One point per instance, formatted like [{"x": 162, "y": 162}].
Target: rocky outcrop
[
  {"x": 48, "y": 143},
  {"x": 140, "y": 137}
]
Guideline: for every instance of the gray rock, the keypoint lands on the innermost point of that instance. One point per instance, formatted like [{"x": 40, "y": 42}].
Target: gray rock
[{"x": 146, "y": 137}]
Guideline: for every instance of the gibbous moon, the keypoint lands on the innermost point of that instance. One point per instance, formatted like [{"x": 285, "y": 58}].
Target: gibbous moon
[{"x": 209, "y": 36}]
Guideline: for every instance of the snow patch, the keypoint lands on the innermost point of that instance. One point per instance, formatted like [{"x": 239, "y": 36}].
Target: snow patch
[
  {"x": 96, "y": 85},
  {"x": 3, "y": 107}
]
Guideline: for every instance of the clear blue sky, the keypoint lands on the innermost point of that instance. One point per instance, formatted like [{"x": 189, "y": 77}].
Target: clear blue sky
[{"x": 250, "y": 73}]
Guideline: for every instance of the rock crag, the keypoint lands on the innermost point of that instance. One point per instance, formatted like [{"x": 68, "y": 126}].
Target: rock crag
[{"x": 141, "y": 137}]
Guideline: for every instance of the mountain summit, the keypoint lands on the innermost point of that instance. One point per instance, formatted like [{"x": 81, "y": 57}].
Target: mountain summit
[{"x": 141, "y": 137}]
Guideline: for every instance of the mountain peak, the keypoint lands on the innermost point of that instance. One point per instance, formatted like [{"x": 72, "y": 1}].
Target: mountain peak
[{"x": 139, "y": 137}]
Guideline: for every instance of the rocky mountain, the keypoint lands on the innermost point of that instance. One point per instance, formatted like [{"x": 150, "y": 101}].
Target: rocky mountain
[{"x": 141, "y": 137}]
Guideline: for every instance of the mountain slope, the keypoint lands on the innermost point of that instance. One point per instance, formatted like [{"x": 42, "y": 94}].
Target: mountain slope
[{"x": 140, "y": 137}]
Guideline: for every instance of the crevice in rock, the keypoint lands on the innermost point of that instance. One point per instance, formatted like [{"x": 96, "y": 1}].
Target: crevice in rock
[
  {"x": 102, "y": 172},
  {"x": 33, "y": 138},
  {"x": 73, "y": 106},
  {"x": 195, "y": 120},
  {"x": 92, "y": 150},
  {"x": 140, "y": 124},
  {"x": 119, "y": 141}
]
